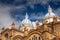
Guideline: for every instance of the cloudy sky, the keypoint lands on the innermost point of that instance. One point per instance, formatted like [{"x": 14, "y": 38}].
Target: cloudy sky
[{"x": 15, "y": 10}]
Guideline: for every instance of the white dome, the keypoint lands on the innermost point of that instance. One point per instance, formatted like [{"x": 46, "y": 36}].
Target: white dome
[
  {"x": 26, "y": 23},
  {"x": 50, "y": 14},
  {"x": 26, "y": 20}
]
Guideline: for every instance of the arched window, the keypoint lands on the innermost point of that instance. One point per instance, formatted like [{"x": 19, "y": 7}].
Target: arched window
[
  {"x": 29, "y": 39},
  {"x": 39, "y": 38},
  {"x": 35, "y": 38},
  {"x": 54, "y": 38},
  {"x": 32, "y": 38},
  {"x": 6, "y": 36},
  {"x": 17, "y": 38}
]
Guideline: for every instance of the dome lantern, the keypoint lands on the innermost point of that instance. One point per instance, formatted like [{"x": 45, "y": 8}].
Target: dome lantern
[
  {"x": 49, "y": 9},
  {"x": 26, "y": 16}
]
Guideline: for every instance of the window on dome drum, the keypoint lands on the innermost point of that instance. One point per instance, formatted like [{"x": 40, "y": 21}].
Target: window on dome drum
[{"x": 6, "y": 36}]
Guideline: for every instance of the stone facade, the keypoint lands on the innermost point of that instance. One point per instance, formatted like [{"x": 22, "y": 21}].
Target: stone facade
[{"x": 46, "y": 31}]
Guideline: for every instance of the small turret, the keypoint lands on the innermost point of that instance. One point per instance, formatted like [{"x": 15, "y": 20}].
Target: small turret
[
  {"x": 25, "y": 31},
  {"x": 44, "y": 22},
  {"x": 12, "y": 25},
  {"x": 55, "y": 20},
  {"x": 45, "y": 25},
  {"x": 37, "y": 24},
  {"x": 2, "y": 29}
]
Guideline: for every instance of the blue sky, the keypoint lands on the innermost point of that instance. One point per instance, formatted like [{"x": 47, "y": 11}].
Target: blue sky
[{"x": 15, "y": 10}]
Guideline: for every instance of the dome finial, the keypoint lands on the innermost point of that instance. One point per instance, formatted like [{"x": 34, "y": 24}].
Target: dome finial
[
  {"x": 49, "y": 9},
  {"x": 26, "y": 16}
]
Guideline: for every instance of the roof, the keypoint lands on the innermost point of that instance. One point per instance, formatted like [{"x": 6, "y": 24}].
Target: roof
[{"x": 50, "y": 14}]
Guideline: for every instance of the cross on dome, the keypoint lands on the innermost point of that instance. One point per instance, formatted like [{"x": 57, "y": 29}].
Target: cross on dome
[{"x": 26, "y": 16}]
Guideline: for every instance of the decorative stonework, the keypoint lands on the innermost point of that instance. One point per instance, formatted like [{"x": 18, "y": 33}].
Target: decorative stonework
[{"x": 49, "y": 30}]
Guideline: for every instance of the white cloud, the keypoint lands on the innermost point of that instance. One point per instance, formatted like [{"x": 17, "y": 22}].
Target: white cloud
[
  {"x": 5, "y": 18},
  {"x": 57, "y": 12},
  {"x": 37, "y": 16},
  {"x": 56, "y": 0},
  {"x": 43, "y": 2}
]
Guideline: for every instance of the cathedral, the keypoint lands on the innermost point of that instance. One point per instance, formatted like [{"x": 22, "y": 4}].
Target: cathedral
[{"x": 49, "y": 29}]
